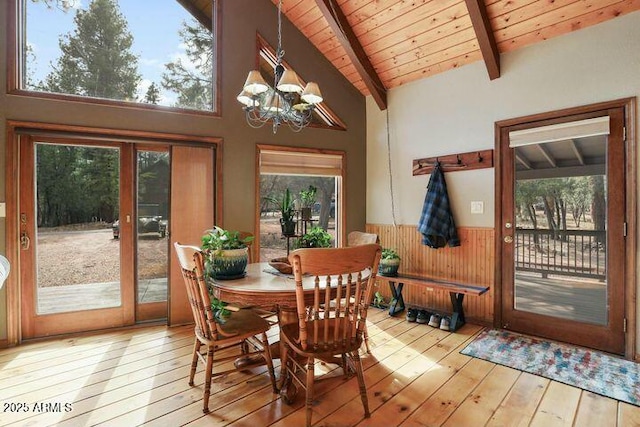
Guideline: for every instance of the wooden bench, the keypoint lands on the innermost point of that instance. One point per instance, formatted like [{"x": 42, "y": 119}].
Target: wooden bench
[{"x": 457, "y": 291}]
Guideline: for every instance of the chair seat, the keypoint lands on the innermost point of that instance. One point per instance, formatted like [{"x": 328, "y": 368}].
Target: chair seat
[
  {"x": 290, "y": 334},
  {"x": 244, "y": 322}
]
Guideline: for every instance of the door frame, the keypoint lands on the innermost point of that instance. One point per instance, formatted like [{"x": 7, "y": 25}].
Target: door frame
[
  {"x": 16, "y": 129},
  {"x": 630, "y": 287}
]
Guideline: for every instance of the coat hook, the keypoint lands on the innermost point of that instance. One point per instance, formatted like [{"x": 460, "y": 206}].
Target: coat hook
[
  {"x": 480, "y": 157},
  {"x": 459, "y": 160}
]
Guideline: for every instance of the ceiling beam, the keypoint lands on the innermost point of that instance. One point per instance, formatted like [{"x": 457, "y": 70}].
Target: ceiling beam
[
  {"x": 523, "y": 161},
  {"x": 547, "y": 155},
  {"x": 562, "y": 172},
  {"x": 347, "y": 38},
  {"x": 484, "y": 34},
  {"x": 576, "y": 151}
]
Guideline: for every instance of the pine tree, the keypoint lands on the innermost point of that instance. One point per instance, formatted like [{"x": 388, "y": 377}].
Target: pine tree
[
  {"x": 153, "y": 94},
  {"x": 193, "y": 82},
  {"x": 96, "y": 58}
]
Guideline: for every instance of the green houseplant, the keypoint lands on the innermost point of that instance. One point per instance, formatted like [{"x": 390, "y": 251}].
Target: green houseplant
[
  {"x": 307, "y": 200},
  {"x": 316, "y": 237},
  {"x": 227, "y": 253},
  {"x": 287, "y": 210},
  {"x": 389, "y": 262},
  {"x": 378, "y": 301}
]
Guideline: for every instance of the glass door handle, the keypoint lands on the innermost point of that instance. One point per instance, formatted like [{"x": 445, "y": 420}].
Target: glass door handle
[{"x": 25, "y": 241}]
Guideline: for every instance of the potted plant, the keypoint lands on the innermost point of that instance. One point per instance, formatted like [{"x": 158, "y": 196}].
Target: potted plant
[
  {"x": 316, "y": 237},
  {"x": 307, "y": 200},
  {"x": 389, "y": 262},
  {"x": 227, "y": 253},
  {"x": 378, "y": 301},
  {"x": 287, "y": 210}
]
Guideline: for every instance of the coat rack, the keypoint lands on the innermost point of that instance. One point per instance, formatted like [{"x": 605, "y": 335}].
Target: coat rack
[{"x": 455, "y": 162}]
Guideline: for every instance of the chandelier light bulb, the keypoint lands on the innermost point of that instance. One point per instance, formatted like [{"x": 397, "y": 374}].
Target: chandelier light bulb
[
  {"x": 246, "y": 99},
  {"x": 289, "y": 82},
  {"x": 255, "y": 84},
  {"x": 311, "y": 94}
]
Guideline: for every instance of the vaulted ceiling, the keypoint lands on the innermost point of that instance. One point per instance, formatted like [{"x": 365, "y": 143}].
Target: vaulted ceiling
[{"x": 382, "y": 44}]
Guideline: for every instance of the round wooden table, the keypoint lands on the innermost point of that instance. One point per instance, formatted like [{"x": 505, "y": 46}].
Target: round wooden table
[{"x": 262, "y": 286}]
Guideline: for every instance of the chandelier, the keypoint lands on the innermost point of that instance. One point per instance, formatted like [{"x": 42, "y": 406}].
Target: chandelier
[{"x": 285, "y": 102}]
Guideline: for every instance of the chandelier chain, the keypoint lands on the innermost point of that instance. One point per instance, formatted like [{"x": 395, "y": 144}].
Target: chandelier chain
[{"x": 279, "y": 51}]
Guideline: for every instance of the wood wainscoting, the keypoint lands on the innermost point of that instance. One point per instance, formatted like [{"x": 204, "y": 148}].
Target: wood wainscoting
[{"x": 472, "y": 262}]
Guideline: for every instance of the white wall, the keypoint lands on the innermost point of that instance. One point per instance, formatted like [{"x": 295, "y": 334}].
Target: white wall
[{"x": 455, "y": 112}]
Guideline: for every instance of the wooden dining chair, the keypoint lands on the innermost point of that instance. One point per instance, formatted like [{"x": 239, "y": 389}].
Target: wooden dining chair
[
  {"x": 357, "y": 238},
  {"x": 243, "y": 328},
  {"x": 331, "y": 326}
]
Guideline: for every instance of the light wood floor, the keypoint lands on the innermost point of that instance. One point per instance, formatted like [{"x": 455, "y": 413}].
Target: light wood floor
[{"x": 415, "y": 376}]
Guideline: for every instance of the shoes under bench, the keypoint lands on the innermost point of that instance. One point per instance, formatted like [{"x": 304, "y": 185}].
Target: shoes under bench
[{"x": 432, "y": 319}]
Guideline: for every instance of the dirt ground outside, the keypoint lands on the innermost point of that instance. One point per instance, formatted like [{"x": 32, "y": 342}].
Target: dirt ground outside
[{"x": 90, "y": 254}]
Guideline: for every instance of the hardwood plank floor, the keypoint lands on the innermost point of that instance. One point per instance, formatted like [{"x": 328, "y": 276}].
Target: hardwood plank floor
[{"x": 415, "y": 377}]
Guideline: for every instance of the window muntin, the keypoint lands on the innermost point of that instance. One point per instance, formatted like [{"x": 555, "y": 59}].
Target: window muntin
[{"x": 62, "y": 45}]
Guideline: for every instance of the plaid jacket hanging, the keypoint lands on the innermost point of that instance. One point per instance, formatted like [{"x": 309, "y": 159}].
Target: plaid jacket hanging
[{"x": 436, "y": 222}]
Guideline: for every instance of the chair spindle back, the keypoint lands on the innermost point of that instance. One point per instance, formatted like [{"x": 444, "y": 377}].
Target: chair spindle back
[
  {"x": 192, "y": 263},
  {"x": 343, "y": 283}
]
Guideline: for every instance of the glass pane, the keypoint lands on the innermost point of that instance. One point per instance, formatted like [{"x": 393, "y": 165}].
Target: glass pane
[
  {"x": 153, "y": 226},
  {"x": 560, "y": 252},
  {"x": 110, "y": 49},
  {"x": 78, "y": 261},
  {"x": 323, "y": 210}
]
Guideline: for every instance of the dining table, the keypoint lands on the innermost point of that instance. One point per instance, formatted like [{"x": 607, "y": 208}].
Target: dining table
[
  {"x": 264, "y": 287},
  {"x": 261, "y": 286}
]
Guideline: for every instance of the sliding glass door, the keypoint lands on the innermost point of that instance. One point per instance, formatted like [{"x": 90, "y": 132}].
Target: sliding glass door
[
  {"x": 72, "y": 268},
  {"x": 152, "y": 229}
]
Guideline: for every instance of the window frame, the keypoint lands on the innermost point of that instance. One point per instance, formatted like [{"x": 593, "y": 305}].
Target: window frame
[
  {"x": 341, "y": 197},
  {"x": 15, "y": 10}
]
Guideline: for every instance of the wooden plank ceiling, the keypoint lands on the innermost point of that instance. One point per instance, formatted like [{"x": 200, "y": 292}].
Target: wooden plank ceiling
[{"x": 382, "y": 44}]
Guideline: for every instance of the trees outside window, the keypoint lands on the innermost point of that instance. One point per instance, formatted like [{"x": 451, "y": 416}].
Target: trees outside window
[{"x": 110, "y": 49}]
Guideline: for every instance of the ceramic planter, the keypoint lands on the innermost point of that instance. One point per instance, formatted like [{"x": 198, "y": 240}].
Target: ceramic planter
[
  {"x": 228, "y": 263},
  {"x": 388, "y": 267}
]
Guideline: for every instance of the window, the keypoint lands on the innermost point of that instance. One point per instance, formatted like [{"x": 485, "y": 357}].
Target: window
[
  {"x": 130, "y": 51},
  {"x": 298, "y": 170}
]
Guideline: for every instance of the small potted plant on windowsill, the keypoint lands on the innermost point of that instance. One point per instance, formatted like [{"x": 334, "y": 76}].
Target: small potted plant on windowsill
[
  {"x": 389, "y": 263},
  {"x": 227, "y": 253}
]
